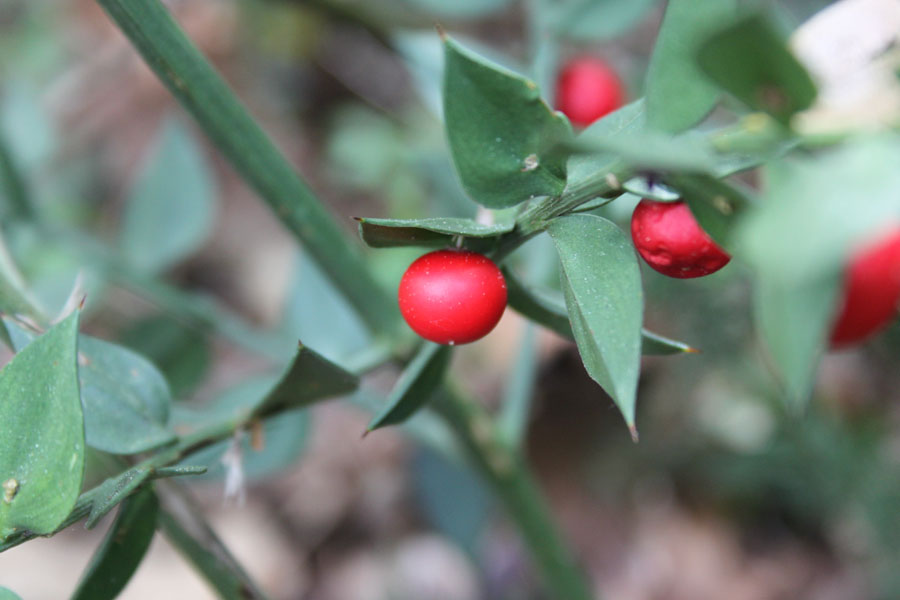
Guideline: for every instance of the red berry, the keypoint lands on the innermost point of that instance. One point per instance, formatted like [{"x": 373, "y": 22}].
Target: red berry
[
  {"x": 588, "y": 89},
  {"x": 871, "y": 290},
  {"x": 452, "y": 296},
  {"x": 668, "y": 237}
]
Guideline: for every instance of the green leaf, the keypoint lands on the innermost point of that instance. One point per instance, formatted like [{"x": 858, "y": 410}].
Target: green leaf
[
  {"x": 415, "y": 386},
  {"x": 180, "y": 351},
  {"x": 601, "y": 281},
  {"x": 623, "y": 123},
  {"x": 7, "y": 594},
  {"x": 308, "y": 379},
  {"x": 437, "y": 232},
  {"x": 334, "y": 329},
  {"x": 512, "y": 421},
  {"x": 42, "y": 449},
  {"x": 170, "y": 210},
  {"x": 793, "y": 319},
  {"x": 543, "y": 307},
  {"x": 649, "y": 150},
  {"x": 459, "y": 9},
  {"x": 750, "y": 59},
  {"x": 283, "y": 436},
  {"x": 113, "y": 491},
  {"x": 678, "y": 94},
  {"x": 502, "y": 134},
  {"x": 815, "y": 210},
  {"x": 122, "y": 550},
  {"x": 124, "y": 397},
  {"x": 596, "y": 20}
]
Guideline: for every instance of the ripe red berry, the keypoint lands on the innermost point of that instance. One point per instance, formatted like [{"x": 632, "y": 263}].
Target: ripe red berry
[
  {"x": 668, "y": 237},
  {"x": 452, "y": 296},
  {"x": 871, "y": 290},
  {"x": 588, "y": 89}
]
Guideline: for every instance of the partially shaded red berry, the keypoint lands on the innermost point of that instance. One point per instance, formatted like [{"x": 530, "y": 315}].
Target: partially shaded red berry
[{"x": 669, "y": 239}]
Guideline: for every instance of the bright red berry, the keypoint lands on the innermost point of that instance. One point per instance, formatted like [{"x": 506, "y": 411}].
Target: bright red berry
[
  {"x": 588, "y": 89},
  {"x": 452, "y": 296},
  {"x": 871, "y": 290},
  {"x": 668, "y": 237}
]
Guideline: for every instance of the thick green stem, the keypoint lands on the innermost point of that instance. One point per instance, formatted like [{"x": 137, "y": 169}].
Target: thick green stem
[
  {"x": 507, "y": 473},
  {"x": 200, "y": 89}
]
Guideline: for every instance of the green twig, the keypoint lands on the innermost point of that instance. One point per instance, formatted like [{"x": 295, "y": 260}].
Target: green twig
[
  {"x": 200, "y": 89},
  {"x": 184, "y": 525},
  {"x": 505, "y": 470}
]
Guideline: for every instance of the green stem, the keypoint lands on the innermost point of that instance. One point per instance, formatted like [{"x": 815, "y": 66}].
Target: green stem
[
  {"x": 201, "y": 90},
  {"x": 507, "y": 473}
]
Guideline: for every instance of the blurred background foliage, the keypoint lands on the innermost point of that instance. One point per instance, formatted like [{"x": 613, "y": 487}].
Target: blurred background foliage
[{"x": 728, "y": 494}]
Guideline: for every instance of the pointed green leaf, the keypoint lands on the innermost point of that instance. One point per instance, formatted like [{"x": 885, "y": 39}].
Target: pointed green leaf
[
  {"x": 415, "y": 386},
  {"x": 125, "y": 398},
  {"x": 543, "y": 307},
  {"x": 602, "y": 286},
  {"x": 678, "y": 94},
  {"x": 171, "y": 208},
  {"x": 595, "y": 20},
  {"x": 438, "y": 232},
  {"x": 308, "y": 379},
  {"x": 502, "y": 134},
  {"x": 750, "y": 59},
  {"x": 793, "y": 319},
  {"x": 113, "y": 491},
  {"x": 42, "y": 447},
  {"x": 122, "y": 550}
]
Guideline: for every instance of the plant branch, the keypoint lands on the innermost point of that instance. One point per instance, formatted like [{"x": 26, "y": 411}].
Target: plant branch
[
  {"x": 505, "y": 470},
  {"x": 203, "y": 93}
]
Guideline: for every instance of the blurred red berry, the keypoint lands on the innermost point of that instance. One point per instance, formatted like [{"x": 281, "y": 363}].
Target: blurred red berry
[
  {"x": 871, "y": 290},
  {"x": 588, "y": 88}
]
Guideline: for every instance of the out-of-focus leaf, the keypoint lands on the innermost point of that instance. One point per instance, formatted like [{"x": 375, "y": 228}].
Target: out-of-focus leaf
[
  {"x": 452, "y": 498},
  {"x": 42, "y": 448},
  {"x": 415, "y": 386},
  {"x": 625, "y": 122},
  {"x": 281, "y": 439},
  {"x": 170, "y": 210},
  {"x": 602, "y": 286},
  {"x": 503, "y": 137},
  {"x": 439, "y": 231},
  {"x": 815, "y": 210},
  {"x": 519, "y": 389},
  {"x": 125, "y": 398},
  {"x": 181, "y": 353},
  {"x": 122, "y": 550},
  {"x": 459, "y": 9},
  {"x": 7, "y": 594},
  {"x": 316, "y": 313},
  {"x": 647, "y": 187},
  {"x": 750, "y": 59},
  {"x": 678, "y": 94},
  {"x": 793, "y": 319},
  {"x": 596, "y": 20},
  {"x": 26, "y": 127}
]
